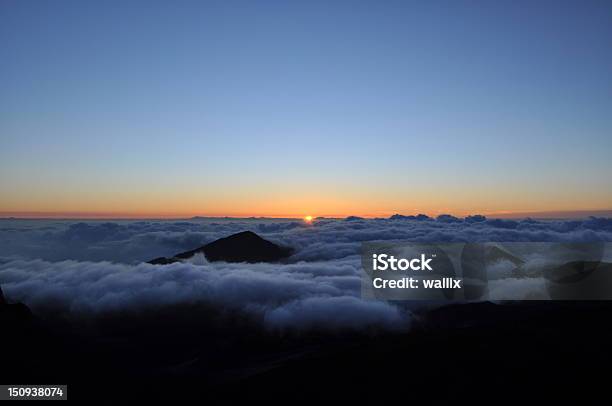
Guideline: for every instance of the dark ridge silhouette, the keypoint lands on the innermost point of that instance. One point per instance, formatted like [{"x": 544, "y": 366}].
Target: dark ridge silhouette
[
  {"x": 242, "y": 247},
  {"x": 193, "y": 351},
  {"x": 163, "y": 261},
  {"x": 495, "y": 254},
  {"x": 15, "y": 314}
]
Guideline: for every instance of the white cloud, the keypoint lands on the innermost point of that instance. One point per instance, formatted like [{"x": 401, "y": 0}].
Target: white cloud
[
  {"x": 283, "y": 295},
  {"x": 96, "y": 267}
]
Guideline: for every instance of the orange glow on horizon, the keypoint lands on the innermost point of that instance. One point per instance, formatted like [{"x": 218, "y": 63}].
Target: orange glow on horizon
[
  {"x": 275, "y": 200},
  {"x": 307, "y": 219}
]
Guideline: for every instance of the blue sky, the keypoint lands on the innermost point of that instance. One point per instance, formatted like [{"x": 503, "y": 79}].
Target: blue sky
[{"x": 295, "y": 108}]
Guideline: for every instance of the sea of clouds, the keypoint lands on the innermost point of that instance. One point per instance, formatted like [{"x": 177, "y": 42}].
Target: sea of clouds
[{"x": 93, "y": 267}]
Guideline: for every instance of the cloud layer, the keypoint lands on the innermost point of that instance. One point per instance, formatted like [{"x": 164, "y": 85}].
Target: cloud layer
[
  {"x": 301, "y": 295},
  {"x": 96, "y": 267},
  {"x": 138, "y": 241}
]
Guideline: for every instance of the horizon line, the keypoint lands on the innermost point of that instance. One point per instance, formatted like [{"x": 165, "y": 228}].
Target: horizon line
[{"x": 83, "y": 215}]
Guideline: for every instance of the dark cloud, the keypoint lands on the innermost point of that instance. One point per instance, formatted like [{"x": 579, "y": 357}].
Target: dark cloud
[
  {"x": 447, "y": 218},
  {"x": 475, "y": 218}
]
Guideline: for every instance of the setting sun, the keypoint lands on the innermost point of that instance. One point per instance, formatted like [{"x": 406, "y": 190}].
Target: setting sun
[{"x": 308, "y": 219}]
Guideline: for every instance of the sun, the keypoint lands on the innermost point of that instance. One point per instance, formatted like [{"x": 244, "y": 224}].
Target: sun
[{"x": 308, "y": 219}]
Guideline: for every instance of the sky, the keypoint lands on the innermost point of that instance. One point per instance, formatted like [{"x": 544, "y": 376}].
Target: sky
[{"x": 265, "y": 108}]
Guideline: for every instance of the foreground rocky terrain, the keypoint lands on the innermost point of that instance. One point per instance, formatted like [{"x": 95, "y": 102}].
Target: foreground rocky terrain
[{"x": 468, "y": 351}]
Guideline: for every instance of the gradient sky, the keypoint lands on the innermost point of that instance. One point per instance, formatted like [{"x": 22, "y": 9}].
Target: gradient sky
[{"x": 315, "y": 107}]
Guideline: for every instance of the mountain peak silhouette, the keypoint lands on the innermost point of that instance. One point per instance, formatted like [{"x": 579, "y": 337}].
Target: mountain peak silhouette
[{"x": 245, "y": 246}]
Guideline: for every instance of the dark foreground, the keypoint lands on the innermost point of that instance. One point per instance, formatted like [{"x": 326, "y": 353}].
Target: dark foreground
[{"x": 481, "y": 353}]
